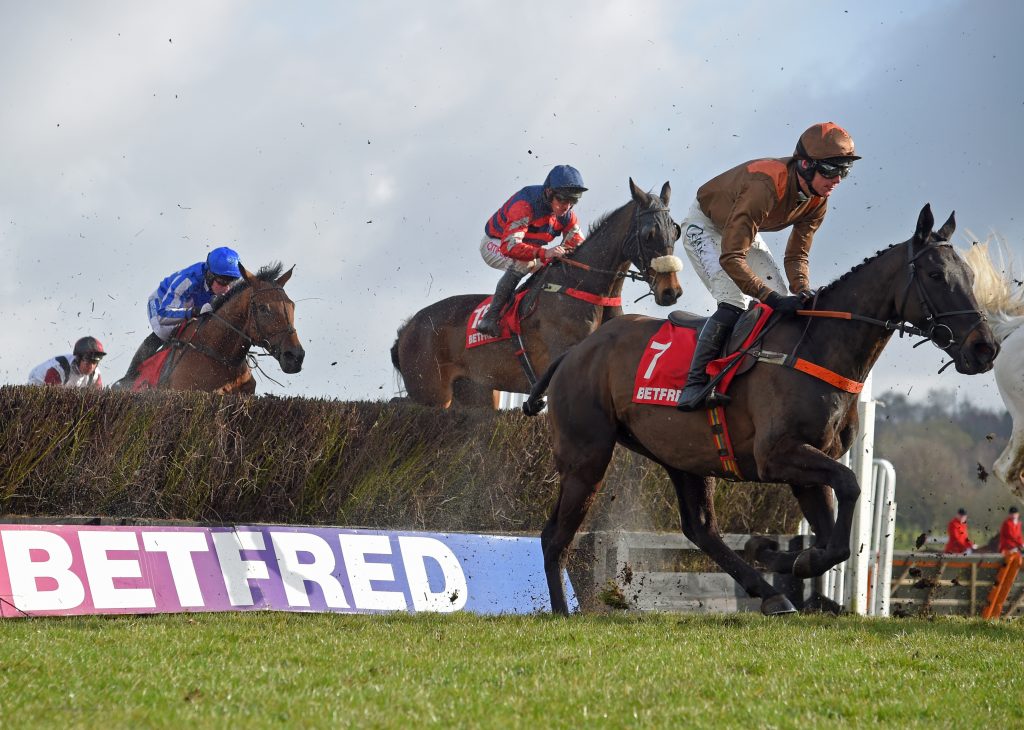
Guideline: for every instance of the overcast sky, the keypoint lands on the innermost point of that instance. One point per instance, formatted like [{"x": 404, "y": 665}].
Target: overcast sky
[{"x": 367, "y": 144}]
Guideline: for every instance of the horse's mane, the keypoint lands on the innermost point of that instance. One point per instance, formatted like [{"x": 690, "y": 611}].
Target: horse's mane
[
  {"x": 270, "y": 272},
  {"x": 992, "y": 285},
  {"x": 859, "y": 266},
  {"x": 598, "y": 222}
]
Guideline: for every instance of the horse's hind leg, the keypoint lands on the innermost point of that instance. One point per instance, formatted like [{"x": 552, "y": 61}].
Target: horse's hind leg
[
  {"x": 581, "y": 476},
  {"x": 816, "y": 504},
  {"x": 697, "y": 514}
]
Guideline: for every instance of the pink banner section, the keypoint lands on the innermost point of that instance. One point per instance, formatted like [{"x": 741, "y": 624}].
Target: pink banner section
[{"x": 71, "y": 570}]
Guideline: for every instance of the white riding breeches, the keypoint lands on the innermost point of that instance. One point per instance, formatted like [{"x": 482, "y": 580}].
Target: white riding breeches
[
  {"x": 703, "y": 243},
  {"x": 490, "y": 251}
]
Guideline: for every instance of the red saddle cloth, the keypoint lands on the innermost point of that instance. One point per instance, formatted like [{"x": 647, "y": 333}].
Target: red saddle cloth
[
  {"x": 666, "y": 362},
  {"x": 510, "y": 324},
  {"x": 149, "y": 371}
]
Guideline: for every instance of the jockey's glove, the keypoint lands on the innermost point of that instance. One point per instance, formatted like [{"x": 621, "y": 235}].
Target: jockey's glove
[{"x": 784, "y": 305}]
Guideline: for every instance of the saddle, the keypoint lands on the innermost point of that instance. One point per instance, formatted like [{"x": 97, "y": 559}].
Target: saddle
[{"x": 740, "y": 332}]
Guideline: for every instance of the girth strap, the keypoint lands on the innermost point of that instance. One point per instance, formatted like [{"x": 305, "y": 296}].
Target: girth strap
[{"x": 816, "y": 371}]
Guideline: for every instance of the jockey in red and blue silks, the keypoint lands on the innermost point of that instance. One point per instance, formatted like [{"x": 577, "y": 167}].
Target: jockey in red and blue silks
[
  {"x": 515, "y": 236},
  {"x": 180, "y": 297}
]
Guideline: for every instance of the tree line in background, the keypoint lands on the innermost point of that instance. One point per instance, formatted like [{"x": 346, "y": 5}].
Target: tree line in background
[{"x": 943, "y": 450}]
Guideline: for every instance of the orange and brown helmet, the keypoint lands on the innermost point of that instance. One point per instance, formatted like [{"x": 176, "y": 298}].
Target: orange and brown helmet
[{"x": 826, "y": 141}]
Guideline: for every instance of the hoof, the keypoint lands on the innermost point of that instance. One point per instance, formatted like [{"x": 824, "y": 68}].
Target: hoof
[
  {"x": 533, "y": 408},
  {"x": 755, "y": 545},
  {"x": 818, "y": 603},
  {"x": 802, "y": 565},
  {"x": 777, "y": 605}
]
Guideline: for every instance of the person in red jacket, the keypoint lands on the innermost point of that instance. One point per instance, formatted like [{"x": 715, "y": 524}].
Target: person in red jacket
[
  {"x": 959, "y": 542},
  {"x": 1009, "y": 533},
  {"x": 516, "y": 235}
]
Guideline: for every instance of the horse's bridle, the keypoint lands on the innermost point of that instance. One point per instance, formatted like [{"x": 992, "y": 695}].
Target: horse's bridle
[
  {"x": 632, "y": 248},
  {"x": 935, "y": 329},
  {"x": 939, "y": 334},
  {"x": 261, "y": 340}
]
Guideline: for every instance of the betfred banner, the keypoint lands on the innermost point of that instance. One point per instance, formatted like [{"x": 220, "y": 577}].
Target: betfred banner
[{"x": 48, "y": 570}]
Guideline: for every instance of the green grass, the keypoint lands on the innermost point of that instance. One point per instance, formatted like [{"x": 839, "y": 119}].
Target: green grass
[{"x": 625, "y": 670}]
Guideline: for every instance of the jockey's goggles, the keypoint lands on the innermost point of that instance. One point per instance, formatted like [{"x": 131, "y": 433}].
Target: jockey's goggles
[
  {"x": 568, "y": 198},
  {"x": 224, "y": 280},
  {"x": 93, "y": 357},
  {"x": 832, "y": 169}
]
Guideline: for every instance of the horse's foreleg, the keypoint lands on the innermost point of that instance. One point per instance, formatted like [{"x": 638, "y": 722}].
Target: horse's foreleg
[
  {"x": 697, "y": 514},
  {"x": 580, "y": 481},
  {"x": 816, "y": 505},
  {"x": 807, "y": 468},
  {"x": 1009, "y": 467}
]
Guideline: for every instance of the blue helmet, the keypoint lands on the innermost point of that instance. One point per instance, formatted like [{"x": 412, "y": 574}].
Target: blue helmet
[
  {"x": 223, "y": 261},
  {"x": 565, "y": 179}
]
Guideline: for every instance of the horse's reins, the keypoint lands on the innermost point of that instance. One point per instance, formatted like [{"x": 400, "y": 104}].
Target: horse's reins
[
  {"x": 261, "y": 340},
  {"x": 633, "y": 238},
  {"x": 930, "y": 335}
]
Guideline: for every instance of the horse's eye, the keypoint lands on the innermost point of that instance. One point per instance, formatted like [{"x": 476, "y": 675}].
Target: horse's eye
[
  {"x": 264, "y": 309},
  {"x": 935, "y": 276}
]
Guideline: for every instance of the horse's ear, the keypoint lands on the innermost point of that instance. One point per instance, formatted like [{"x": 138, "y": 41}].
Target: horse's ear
[
  {"x": 666, "y": 192},
  {"x": 946, "y": 232},
  {"x": 245, "y": 274},
  {"x": 638, "y": 195},
  {"x": 283, "y": 278},
  {"x": 925, "y": 221}
]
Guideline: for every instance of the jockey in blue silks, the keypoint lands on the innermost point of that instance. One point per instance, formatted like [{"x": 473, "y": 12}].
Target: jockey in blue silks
[{"x": 180, "y": 297}]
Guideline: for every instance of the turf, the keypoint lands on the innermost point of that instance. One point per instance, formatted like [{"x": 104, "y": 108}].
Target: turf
[{"x": 624, "y": 670}]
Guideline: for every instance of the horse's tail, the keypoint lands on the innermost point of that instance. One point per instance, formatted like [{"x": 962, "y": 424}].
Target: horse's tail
[
  {"x": 394, "y": 349},
  {"x": 536, "y": 402}
]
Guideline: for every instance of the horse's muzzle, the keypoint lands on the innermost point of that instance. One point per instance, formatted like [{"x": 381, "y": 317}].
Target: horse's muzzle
[
  {"x": 291, "y": 359},
  {"x": 978, "y": 353},
  {"x": 666, "y": 288}
]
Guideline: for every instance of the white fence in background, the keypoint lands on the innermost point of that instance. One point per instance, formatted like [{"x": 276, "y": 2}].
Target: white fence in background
[{"x": 511, "y": 401}]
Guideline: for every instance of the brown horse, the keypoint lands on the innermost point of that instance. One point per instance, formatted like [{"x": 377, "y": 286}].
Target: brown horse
[
  {"x": 430, "y": 350},
  {"x": 786, "y": 426},
  {"x": 212, "y": 353}
]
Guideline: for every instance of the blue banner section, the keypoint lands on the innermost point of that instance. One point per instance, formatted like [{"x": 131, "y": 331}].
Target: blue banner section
[{"x": 75, "y": 570}]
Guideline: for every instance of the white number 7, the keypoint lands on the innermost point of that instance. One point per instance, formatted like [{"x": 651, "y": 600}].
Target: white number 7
[{"x": 661, "y": 347}]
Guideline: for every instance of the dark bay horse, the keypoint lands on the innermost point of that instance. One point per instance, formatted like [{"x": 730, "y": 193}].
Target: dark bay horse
[
  {"x": 430, "y": 350},
  {"x": 212, "y": 353},
  {"x": 786, "y": 426}
]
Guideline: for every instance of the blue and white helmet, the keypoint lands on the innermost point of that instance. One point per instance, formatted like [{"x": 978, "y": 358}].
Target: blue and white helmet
[
  {"x": 566, "y": 181},
  {"x": 223, "y": 261}
]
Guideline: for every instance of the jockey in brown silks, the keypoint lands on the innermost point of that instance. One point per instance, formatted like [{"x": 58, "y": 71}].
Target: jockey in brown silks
[
  {"x": 515, "y": 236},
  {"x": 722, "y": 239}
]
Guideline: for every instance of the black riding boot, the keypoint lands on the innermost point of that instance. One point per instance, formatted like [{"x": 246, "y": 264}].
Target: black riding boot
[
  {"x": 709, "y": 346},
  {"x": 146, "y": 350},
  {"x": 490, "y": 324}
]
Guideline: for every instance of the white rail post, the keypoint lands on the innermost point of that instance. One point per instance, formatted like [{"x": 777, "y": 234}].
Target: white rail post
[{"x": 861, "y": 462}]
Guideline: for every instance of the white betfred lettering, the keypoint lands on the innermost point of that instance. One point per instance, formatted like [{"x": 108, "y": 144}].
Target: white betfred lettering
[
  {"x": 179, "y": 546},
  {"x": 237, "y": 572},
  {"x": 354, "y": 549},
  {"x": 287, "y": 546},
  {"x": 24, "y": 573},
  {"x": 101, "y": 570},
  {"x": 453, "y": 594}
]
